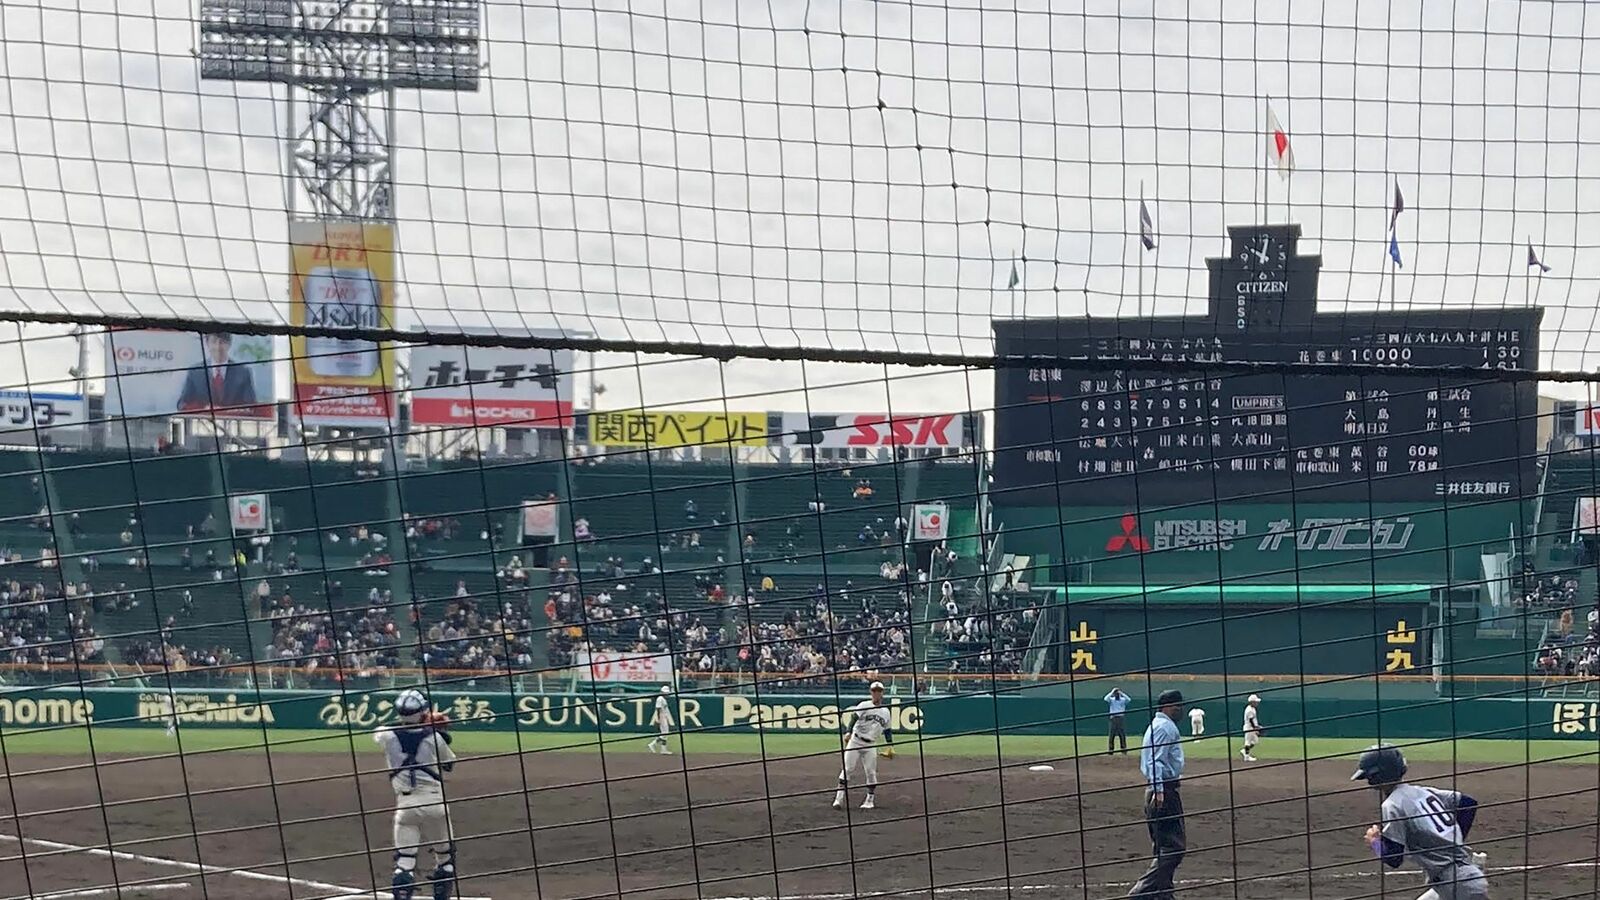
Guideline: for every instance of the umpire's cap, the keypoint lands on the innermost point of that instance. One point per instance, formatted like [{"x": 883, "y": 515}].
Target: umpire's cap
[
  {"x": 1380, "y": 764},
  {"x": 1170, "y": 698}
]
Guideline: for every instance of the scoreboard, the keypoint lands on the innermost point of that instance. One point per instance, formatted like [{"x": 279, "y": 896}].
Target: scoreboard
[{"x": 1118, "y": 433}]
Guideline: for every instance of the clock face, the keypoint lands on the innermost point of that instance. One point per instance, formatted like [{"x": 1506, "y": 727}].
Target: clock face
[{"x": 1263, "y": 252}]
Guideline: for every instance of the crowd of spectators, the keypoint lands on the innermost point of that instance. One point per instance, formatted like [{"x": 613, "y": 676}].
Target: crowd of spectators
[
  {"x": 25, "y": 625},
  {"x": 355, "y": 640},
  {"x": 864, "y": 637},
  {"x": 1549, "y": 591},
  {"x": 467, "y": 638}
]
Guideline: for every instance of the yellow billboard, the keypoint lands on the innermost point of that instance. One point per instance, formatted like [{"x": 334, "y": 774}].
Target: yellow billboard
[
  {"x": 669, "y": 428},
  {"x": 343, "y": 279}
]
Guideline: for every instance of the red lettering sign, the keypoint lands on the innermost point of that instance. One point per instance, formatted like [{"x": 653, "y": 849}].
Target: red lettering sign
[{"x": 915, "y": 431}]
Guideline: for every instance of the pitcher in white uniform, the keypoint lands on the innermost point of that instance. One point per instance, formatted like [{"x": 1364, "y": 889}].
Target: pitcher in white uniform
[
  {"x": 860, "y": 748},
  {"x": 419, "y": 756}
]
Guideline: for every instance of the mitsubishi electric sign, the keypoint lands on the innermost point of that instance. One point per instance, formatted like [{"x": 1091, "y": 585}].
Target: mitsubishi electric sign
[{"x": 1314, "y": 534}]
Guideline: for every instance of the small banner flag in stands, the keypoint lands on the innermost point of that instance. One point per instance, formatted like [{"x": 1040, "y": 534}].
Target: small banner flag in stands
[
  {"x": 248, "y": 512},
  {"x": 1533, "y": 260},
  {"x": 930, "y": 522}
]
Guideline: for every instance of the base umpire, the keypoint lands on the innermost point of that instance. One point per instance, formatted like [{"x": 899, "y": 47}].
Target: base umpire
[{"x": 1161, "y": 761}]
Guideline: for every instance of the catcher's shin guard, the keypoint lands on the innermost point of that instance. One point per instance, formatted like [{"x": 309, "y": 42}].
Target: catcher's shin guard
[{"x": 444, "y": 874}]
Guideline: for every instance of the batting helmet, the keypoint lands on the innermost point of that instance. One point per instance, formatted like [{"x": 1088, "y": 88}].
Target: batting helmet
[
  {"x": 411, "y": 703},
  {"x": 1380, "y": 764}
]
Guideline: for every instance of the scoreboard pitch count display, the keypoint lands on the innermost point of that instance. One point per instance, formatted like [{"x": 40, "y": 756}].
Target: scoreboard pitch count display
[{"x": 1120, "y": 434}]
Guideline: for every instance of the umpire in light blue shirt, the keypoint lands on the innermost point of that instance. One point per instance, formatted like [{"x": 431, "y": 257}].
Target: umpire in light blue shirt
[{"x": 1161, "y": 761}]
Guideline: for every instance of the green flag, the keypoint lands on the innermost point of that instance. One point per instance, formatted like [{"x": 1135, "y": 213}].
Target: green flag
[{"x": 1015, "y": 278}]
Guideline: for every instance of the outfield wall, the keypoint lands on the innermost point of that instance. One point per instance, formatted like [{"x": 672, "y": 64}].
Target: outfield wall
[{"x": 1286, "y": 713}]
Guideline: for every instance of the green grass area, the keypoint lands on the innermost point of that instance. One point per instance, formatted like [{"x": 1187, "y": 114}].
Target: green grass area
[{"x": 1012, "y": 749}]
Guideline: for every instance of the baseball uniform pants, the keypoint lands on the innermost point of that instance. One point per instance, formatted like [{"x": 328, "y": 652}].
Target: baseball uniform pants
[
  {"x": 860, "y": 756},
  {"x": 1118, "y": 730},
  {"x": 1167, "y": 841}
]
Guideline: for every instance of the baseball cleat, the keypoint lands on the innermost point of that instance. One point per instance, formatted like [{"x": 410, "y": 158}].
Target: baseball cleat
[
  {"x": 869, "y": 803},
  {"x": 838, "y": 800}
]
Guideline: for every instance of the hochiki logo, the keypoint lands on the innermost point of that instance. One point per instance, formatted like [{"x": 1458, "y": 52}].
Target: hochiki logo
[{"x": 1129, "y": 539}]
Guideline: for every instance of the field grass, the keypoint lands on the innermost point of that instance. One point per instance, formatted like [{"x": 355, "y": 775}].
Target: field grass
[{"x": 1011, "y": 749}]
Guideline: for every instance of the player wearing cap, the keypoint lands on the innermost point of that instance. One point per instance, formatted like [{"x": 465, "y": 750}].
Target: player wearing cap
[
  {"x": 860, "y": 749},
  {"x": 1161, "y": 761},
  {"x": 1252, "y": 728},
  {"x": 664, "y": 723},
  {"x": 1424, "y": 823},
  {"x": 419, "y": 755}
]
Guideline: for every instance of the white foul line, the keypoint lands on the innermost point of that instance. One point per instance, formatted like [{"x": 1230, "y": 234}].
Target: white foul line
[
  {"x": 340, "y": 890},
  {"x": 1028, "y": 888},
  {"x": 113, "y": 891}
]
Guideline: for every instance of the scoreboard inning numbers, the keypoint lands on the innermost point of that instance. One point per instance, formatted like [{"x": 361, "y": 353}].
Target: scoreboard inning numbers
[{"x": 1118, "y": 433}]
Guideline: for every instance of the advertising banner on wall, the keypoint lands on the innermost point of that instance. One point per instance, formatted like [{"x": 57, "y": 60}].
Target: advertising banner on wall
[
  {"x": 343, "y": 278},
  {"x": 1587, "y": 420},
  {"x": 671, "y": 428},
  {"x": 541, "y": 518},
  {"x": 930, "y": 522},
  {"x": 606, "y": 665},
  {"x": 24, "y": 414},
  {"x": 167, "y": 373},
  {"x": 249, "y": 512},
  {"x": 482, "y": 386},
  {"x": 849, "y": 430}
]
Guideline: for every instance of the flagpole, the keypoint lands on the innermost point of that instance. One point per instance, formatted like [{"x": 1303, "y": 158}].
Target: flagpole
[
  {"x": 1394, "y": 239},
  {"x": 1266, "y": 185}
]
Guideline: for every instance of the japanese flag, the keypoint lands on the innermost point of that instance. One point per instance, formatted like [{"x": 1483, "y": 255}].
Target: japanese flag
[{"x": 1279, "y": 153}]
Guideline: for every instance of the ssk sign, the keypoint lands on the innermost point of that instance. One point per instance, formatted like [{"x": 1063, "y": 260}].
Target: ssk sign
[
  {"x": 484, "y": 386},
  {"x": 845, "y": 430}
]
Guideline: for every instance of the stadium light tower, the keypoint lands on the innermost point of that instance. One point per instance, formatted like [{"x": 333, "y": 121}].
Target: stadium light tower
[{"x": 342, "y": 61}]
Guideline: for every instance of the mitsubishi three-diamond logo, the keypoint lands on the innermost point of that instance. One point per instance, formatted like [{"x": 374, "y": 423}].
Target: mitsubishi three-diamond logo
[{"x": 1129, "y": 539}]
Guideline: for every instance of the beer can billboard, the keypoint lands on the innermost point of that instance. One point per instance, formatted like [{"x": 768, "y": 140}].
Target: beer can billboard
[{"x": 343, "y": 278}]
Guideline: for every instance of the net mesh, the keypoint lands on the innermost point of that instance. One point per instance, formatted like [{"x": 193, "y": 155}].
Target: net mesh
[{"x": 647, "y": 395}]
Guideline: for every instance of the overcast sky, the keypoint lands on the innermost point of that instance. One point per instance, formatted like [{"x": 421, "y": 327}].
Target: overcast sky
[{"x": 828, "y": 174}]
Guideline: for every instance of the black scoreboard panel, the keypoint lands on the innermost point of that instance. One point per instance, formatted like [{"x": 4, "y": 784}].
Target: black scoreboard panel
[{"x": 1119, "y": 433}]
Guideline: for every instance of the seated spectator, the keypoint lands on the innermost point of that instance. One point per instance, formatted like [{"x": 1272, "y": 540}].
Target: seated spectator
[
  {"x": 691, "y": 510},
  {"x": 863, "y": 489},
  {"x": 581, "y": 530}
]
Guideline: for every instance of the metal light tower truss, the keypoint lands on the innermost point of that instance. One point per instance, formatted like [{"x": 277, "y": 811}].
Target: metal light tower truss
[{"x": 342, "y": 61}]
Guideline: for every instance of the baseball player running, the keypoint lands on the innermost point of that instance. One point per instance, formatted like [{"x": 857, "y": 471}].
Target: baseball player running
[
  {"x": 1426, "y": 824},
  {"x": 658, "y": 744},
  {"x": 871, "y": 722},
  {"x": 418, "y": 752},
  {"x": 1252, "y": 728}
]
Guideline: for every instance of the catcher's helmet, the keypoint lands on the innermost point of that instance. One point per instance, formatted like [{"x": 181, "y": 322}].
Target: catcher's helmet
[
  {"x": 411, "y": 703},
  {"x": 1380, "y": 764}
]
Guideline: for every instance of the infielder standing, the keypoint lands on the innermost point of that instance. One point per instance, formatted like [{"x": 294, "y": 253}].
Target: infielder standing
[
  {"x": 871, "y": 722},
  {"x": 1252, "y": 728},
  {"x": 1197, "y": 722},
  {"x": 1426, "y": 824},
  {"x": 419, "y": 755},
  {"x": 664, "y": 723}
]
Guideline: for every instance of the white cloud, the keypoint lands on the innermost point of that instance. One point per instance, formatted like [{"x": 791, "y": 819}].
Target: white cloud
[{"x": 843, "y": 174}]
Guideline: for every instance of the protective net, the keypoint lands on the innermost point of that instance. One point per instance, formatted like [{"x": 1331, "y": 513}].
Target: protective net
[{"x": 503, "y": 451}]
